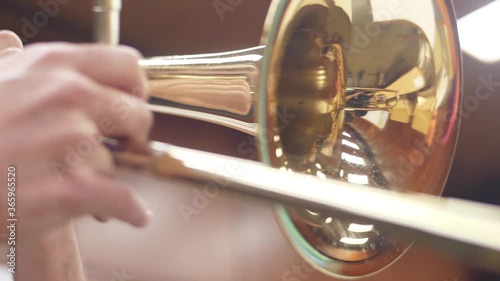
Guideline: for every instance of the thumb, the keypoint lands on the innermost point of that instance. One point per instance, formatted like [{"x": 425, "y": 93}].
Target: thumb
[{"x": 9, "y": 43}]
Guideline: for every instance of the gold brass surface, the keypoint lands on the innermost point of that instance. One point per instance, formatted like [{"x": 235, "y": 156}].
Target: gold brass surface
[
  {"x": 365, "y": 92},
  {"x": 374, "y": 91}
]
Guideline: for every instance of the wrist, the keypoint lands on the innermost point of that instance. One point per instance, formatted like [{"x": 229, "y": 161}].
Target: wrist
[{"x": 53, "y": 255}]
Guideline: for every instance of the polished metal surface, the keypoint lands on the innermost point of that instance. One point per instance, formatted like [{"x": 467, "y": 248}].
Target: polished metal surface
[
  {"x": 217, "y": 88},
  {"x": 107, "y": 21},
  {"x": 365, "y": 92},
  {"x": 437, "y": 221},
  {"x": 411, "y": 53},
  {"x": 398, "y": 133}
]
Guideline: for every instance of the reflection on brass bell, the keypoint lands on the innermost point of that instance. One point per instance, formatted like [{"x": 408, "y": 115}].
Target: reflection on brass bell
[{"x": 366, "y": 92}]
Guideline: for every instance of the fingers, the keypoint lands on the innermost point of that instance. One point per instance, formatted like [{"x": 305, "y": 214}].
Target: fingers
[
  {"x": 9, "y": 43},
  {"x": 105, "y": 198},
  {"x": 116, "y": 67},
  {"x": 60, "y": 143},
  {"x": 70, "y": 172},
  {"x": 61, "y": 98},
  {"x": 119, "y": 67},
  {"x": 114, "y": 113},
  {"x": 99, "y": 79},
  {"x": 119, "y": 115},
  {"x": 84, "y": 193}
]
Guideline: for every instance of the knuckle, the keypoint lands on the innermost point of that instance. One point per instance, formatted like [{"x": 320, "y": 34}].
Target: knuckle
[
  {"x": 74, "y": 126},
  {"x": 50, "y": 54},
  {"x": 70, "y": 89},
  {"x": 74, "y": 86},
  {"x": 85, "y": 179}
]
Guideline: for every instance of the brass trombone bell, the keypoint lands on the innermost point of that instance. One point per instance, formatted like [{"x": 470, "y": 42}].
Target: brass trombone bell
[{"x": 360, "y": 91}]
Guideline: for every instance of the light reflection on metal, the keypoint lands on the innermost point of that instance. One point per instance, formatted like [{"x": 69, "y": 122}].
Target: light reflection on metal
[
  {"x": 359, "y": 228},
  {"x": 320, "y": 175},
  {"x": 358, "y": 179},
  {"x": 354, "y": 241},
  {"x": 353, "y": 159},
  {"x": 279, "y": 152},
  {"x": 305, "y": 89},
  {"x": 350, "y": 144}
]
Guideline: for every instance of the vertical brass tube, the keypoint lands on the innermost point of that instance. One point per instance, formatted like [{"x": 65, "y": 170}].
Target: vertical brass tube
[{"x": 107, "y": 21}]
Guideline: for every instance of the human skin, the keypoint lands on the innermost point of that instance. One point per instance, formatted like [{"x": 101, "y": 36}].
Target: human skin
[{"x": 57, "y": 101}]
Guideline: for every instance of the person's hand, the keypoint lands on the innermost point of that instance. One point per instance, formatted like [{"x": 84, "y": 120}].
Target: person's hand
[{"x": 56, "y": 101}]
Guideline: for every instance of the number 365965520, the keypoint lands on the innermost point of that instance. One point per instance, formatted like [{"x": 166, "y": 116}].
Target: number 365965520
[{"x": 11, "y": 186}]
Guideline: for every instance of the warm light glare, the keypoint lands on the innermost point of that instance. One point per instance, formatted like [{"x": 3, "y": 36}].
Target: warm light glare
[
  {"x": 279, "y": 152},
  {"x": 360, "y": 228},
  {"x": 354, "y": 241},
  {"x": 478, "y": 33},
  {"x": 312, "y": 213},
  {"x": 353, "y": 159},
  {"x": 200, "y": 61},
  {"x": 321, "y": 175},
  {"x": 357, "y": 179},
  {"x": 350, "y": 144},
  {"x": 419, "y": 82}
]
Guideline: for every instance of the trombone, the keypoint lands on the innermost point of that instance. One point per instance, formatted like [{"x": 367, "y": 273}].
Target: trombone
[{"x": 341, "y": 95}]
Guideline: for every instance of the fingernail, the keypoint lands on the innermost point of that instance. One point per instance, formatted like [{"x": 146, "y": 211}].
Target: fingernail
[
  {"x": 9, "y": 39},
  {"x": 143, "y": 90},
  {"x": 150, "y": 214},
  {"x": 144, "y": 218},
  {"x": 145, "y": 215}
]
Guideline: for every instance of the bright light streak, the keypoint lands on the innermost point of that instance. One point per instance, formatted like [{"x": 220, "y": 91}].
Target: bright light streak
[
  {"x": 350, "y": 144},
  {"x": 478, "y": 33},
  {"x": 353, "y": 159},
  {"x": 321, "y": 175},
  {"x": 360, "y": 228},
  {"x": 357, "y": 179},
  {"x": 354, "y": 241}
]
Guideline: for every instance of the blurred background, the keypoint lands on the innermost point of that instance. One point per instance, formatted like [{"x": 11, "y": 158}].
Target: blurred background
[{"x": 236, "y": 238}]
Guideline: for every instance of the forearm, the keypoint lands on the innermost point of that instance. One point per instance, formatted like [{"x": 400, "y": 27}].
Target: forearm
[{"x": 52, "y": 257}]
